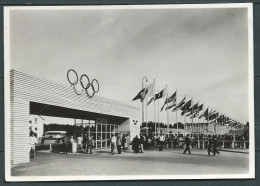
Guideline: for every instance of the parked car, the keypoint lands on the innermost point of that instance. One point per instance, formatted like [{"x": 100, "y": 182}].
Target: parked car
[{"x": 55, "y": 135}]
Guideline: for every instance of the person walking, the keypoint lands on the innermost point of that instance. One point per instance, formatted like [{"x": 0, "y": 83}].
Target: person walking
[
  {"x": 161, "y": 142},
  {"x": 136, "y": 144},
  {"x": 209, "y": 144},
  {"x": 215, "y": 145},
  {"x": 187, "y": 144},
  {"x": 79, "y": 140},
  {"x": 118, "y": 144},
  {"x": 124, "y": 142},
  {"x": 42, "y": 140},
  {"x": 141, "y": 143},
  {"x": 65, "y": 144},
  {"x": 32, "y": 142},
  {"x": 84, "y": 143},
  {"x": 89, "y": 144},
  {"x": 113, "y": 144}
]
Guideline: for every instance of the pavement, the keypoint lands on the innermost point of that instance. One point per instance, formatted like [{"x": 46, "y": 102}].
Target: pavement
[
  {"x": 151, "y": 162},
  {"x": 246, "y": 151}
]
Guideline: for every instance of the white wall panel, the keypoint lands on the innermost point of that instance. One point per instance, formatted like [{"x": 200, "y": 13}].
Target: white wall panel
[{"x": 26, "y": 88}]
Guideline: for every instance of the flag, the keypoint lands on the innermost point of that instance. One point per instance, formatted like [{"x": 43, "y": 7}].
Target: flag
[
  {"x": 161, "y": 94},
  {"x": 150, "y": 89},
  {"x": 192, "y": 109},
  {"x": 170, "y": 99},
  {"x": 140, "y": 95},
  {"x": 211, "y": 111},
  {"x": 205, "y": 114},
  {"x": 200, "y": 108},
  {"x": 179, "y": 106},
  {"x": 186, "y": 107},
  {"x": 150, "y": 101},
  {"x": 213, "y": 116},
  {"x": 170, "y": 106}
]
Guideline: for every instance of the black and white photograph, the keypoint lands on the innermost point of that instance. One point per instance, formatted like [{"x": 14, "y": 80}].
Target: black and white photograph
[{"x": 129, "y": 92}]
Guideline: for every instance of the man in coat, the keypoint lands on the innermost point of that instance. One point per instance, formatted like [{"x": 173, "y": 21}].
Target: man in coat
[
  {"x": 89, "y": 144},
  {"x": 136, "y": 144},
  {"x": 141, "y": 143},
  {"x": 65, "y": 144},
  {"x": 118, "y": 144},
  {"x": 187, "y": 144},
  {"x": 215, "y": 145},
  {"x": 209, "y": 144}
]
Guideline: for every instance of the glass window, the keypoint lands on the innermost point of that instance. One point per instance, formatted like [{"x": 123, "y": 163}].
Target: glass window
[
  {"x": 116, "y": 128},
  {"x": 92, "y": 128},
  {"x": 93, "y": 136},
  {"x": 108, "y": 128},
  {"x": 98, "y": 127},
  {"x": 104, "y": 128},
  {"x": 98, "y": 136},
  {"x": 112, "y": 128},
  {"x": 104, "y": 136}
]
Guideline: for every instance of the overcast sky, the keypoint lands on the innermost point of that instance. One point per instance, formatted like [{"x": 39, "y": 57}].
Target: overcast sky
[{"x": 201, "y": 52}]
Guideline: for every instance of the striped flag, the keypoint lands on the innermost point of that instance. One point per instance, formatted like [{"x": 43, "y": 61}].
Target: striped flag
[
  {"x": 179, "y": 106},
  {"x": 171, "y": 99}
]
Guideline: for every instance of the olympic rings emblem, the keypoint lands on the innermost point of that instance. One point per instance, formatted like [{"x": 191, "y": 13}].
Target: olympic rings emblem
[{"x": 90, "y": 88}]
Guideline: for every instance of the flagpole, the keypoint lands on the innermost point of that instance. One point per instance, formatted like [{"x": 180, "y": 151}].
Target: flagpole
[
  {"x": 167, "y": 111},
  {"x": 142, "y": 100},
  {"x": 176, "y": 115},
  {"x": 159, "y": 115},
  {"x": 154, "y": 109},
  {"x": 192, "y": 117},
  {"x": 185, "y": 125},
  {"x": 198, "y": 126},
  {"x": 203, "y": 127},
  {"x": 146, "y": 116},
  {"x": 208, "y": 122}
]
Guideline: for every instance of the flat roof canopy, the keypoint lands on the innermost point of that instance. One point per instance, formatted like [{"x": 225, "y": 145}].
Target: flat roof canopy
[{"x": 57, "y": 111}]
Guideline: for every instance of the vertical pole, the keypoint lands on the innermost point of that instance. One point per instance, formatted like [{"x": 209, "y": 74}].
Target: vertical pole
[
  {"x": 101, "y": 137},
  {"x": 192, "y": 117},
  {"x": 177, "y": 116},
  {"x": 82, "y": 128},
  {"x": 159, "y": 117},
  {"x": 75, "y": 128},
  {"x": 198, "y": 132},
  {"x": 88, "y": 127},
  {"x": 185, "y": 124},
  {"x": 146, "y": 116},
  {"x": 203, "y": 127},
  {"x": 110, "y": 133},
  {"x": 167, "y": 112},
  {"x": 142, "y": 103},
  {"x": 96, "y": 133},
  {"x": 154, "y": 109}
]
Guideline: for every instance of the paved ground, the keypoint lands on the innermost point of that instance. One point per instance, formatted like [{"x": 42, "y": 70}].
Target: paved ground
[
  {"x": 236, "y": 150},
  {"x": 152, "y": 162}
]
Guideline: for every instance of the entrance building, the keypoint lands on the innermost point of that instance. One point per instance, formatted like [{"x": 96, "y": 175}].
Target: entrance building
[{"x": 98, "y": 116}]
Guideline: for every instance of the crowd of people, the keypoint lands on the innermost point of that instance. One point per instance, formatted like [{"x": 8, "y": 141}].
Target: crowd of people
[{"x": 143, "y": 142}]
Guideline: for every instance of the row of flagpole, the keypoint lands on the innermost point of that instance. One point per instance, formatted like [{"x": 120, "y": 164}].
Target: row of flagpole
[{"x": 183, "y": 105}]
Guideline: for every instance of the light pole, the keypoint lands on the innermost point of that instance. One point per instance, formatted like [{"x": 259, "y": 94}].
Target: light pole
[{"x": 144, "y": 78}]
